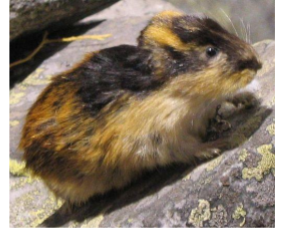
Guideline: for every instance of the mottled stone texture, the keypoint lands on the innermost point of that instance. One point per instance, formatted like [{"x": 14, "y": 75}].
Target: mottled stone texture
[
  {"x": 235, "y": 189},
  {"x": 35, "y": 15}
]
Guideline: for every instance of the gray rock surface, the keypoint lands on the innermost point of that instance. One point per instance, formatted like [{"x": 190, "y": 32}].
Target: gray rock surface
[
  {"x": 36, "y": 15},
  {"x": 257, "y": 18},
  {"x": 232, "y": 190}
]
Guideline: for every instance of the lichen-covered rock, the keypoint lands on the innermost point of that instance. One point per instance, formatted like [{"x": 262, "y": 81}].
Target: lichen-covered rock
[
  {"x": 232, "y": 190},
  {"x": 36, "y": 15}
]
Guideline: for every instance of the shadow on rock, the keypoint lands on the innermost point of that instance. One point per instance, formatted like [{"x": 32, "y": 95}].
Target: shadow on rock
[
  {"x": 245, "y": 122},
  {"x": 24, "y": 46}
]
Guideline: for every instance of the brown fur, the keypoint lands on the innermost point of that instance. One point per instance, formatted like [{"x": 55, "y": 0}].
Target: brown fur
[{"x": 79, "y": 154}]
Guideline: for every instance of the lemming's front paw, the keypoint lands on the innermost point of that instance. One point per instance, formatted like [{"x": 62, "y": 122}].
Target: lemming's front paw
[
  {"x": 217, "y": 127},
  {"x": 246, "y": 99}
]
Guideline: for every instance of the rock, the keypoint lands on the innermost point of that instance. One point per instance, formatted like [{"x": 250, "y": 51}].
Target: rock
[
  {"x": 133, "y": 8},
  {"x": 232, "y": 190},
  {"x": 37, "y": 15}
]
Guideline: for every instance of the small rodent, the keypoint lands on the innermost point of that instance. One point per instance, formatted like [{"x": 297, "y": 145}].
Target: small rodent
[{"x": 127, "y": 109}]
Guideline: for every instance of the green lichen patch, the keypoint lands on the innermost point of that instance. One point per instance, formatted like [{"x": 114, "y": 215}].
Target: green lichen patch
[
  {"x": 266, "y": 165},
  {"x": 238, "y": 213},
  {"x": 200, "y": 214}
]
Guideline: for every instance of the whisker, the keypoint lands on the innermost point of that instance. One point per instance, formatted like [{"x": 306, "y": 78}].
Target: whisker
[
  {"x": 249, "y": 37},
  {"x": 243, "y": 29},
  {"x": 247, "y": 32},
  {"x": 230, "y": 21}
]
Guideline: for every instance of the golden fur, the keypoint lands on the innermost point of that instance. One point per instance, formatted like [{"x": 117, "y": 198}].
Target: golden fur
[{"x": 131, "y": 134}]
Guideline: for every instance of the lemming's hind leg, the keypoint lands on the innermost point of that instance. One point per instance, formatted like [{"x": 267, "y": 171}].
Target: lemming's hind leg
[
  {"x": 69, "y": 207},
  {"x": 77, "y": 192}
]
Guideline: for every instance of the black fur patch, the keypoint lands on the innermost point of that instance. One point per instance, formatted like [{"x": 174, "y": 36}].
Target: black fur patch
[
  {"x": 207, "y": 32},
  {"x": 182, "y": 62},
  {"x": 112, "y": 72}
]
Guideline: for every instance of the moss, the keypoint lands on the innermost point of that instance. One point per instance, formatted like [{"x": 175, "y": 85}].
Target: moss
[
  {"x": 200, "y": 214},
  {"x": 238, "y": 213},
  {"x": 266, "y": 164}
]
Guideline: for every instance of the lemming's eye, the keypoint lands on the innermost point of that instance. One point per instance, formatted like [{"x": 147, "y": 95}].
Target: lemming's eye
[{"x": 211, "y": 51}]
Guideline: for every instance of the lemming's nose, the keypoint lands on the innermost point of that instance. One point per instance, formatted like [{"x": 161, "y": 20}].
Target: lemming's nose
[{"x": 252, "y": 64}]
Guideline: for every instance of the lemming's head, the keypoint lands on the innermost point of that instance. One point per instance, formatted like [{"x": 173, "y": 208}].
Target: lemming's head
[{"x": 198, "y": 54}]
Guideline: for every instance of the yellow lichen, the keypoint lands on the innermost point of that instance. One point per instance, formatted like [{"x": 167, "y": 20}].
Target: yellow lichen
[
  {"x": 187, "y": 177},
  {"x": 240, "y": 213},
  {"x": 36, "y": 78},
  {"x": 272, "y": 102},
  {"x": 14, "y": 123},
  {"x": 271, "y": 129},
  {"x": 266, "y": 165},
  {"x": 93, "y": 223},
  {"x": 214, "y": 163},
  {"x": 200, "y": 214},
  {"x": 243, "y": 155},
  {"x": 130, "y": 220},
  {"x": 38, "y": 207},
  {"x": 38, "y": 217},
  {"x": 47, "y": 209},
  {"x": 18, "y": 168},
  {"x": 15, "y": 97},
  {"x": 74, "y": 224},
  {"x": 21, "y": 182}
]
